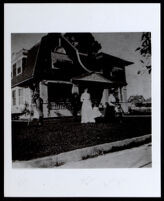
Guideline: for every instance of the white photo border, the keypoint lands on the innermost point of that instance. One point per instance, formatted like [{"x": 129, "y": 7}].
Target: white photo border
[{"x": 41, "y": 18}]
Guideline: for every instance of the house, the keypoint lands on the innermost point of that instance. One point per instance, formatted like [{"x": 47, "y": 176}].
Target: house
[
  {"x": 148, "y": 100},
  {"x": 138, "y": 105},
  {"x": 136, "y": 99},
  {"x": 56, "y": 68}
]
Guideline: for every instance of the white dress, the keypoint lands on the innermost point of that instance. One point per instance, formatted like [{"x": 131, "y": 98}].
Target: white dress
[
  {"x": 96, "y": 112},
  {"x": 86, "y": 109}
]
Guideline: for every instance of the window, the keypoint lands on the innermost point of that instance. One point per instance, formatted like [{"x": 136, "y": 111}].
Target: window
[
  {"x": 14, "y": 70},
  {"x": 19, "y": 67},
  {"x": 20, "y": 94},
  {"x": 24, "y": 62},
  {"x": 14, "y": 97},
  {"x": 19, "y": 70},
  {"x": 117, "y": 74},
  {"x": 60, "y": 60},
  {"x": 60, "y": 50}
]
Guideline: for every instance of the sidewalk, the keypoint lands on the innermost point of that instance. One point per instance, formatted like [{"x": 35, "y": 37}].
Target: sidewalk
[
  {"x": 139, "y": 157},
  {"x": 61, "y": 160}
]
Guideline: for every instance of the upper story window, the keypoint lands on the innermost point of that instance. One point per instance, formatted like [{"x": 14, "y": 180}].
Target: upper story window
[
  {"x": 19, "y": 67},
  {"x": 13, "y": 70},
  {"x": 24, "y": 62},
  {"x": 60, "y": 50},
  {"x": 19, "y": 61},
  {"x": 117, "y": 74},
  {"x": 59, "y": 58}
]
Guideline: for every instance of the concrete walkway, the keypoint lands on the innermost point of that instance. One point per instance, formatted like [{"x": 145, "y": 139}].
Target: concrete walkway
[
  {"x": 139, "y": 157},
  {"x": 82, "y": 154}
]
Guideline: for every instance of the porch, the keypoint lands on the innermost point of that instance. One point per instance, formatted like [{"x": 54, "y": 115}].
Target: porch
[{"x": 57, "y": 94}]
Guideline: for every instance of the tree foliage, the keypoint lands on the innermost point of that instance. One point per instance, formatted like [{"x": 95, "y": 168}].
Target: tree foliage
[
  {"x": 84, "y": 42},
  {"x": 145, "y": 51}
]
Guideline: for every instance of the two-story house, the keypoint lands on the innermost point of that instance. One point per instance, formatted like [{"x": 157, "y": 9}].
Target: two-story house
[{"x": 55, "y": 68}]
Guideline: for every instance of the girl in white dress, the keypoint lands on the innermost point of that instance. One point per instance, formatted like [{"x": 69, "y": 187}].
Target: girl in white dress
[
  {"x": 86, "y": 109},
  {"x": 96, "y": 112}
]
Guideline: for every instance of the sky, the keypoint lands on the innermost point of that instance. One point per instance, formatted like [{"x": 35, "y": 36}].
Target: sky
[{"x": 121, "y": 45}]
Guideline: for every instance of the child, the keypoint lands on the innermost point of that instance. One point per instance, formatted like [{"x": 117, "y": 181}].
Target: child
[
  {"x": 96, "y": 112},
  {"x": 28, "y": 113}
]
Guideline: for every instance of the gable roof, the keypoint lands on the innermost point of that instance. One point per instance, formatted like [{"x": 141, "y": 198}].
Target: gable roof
[{"x": 92, "y": 77}]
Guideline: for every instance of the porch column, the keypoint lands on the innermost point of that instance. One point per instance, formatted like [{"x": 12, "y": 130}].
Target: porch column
[
  {"x": 119, "y": 94},
  {"x": 28, "y": 95},
  {"x": 104, "y": 98},
  {"x": 43, "y": 88},
  {"x": 17, "y": 96},
  {"x": 124, "y": 99},
  {"x": 75, "y": 89}
]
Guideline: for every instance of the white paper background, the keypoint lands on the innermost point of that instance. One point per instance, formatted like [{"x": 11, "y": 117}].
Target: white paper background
[{"x": 35, "y": 18}]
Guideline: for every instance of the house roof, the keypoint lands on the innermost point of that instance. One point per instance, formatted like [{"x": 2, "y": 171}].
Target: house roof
[
  {"x": 115, "y": 61},
  {"x": 39, "y": 60},
  {"x": 103, "y": 61},
  {"x": 28, "y": 70},
  {"x": 67, "y": 64}
]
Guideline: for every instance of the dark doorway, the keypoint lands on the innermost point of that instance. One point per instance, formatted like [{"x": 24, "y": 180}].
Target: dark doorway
[
  {"x": 94, "y": 90},
  {"x": 59, "y": 92}
]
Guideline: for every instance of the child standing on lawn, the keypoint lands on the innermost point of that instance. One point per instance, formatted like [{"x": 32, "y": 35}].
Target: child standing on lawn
[
  {"x": 96, "y": 112},
  {"x": 28, "y": 111}
]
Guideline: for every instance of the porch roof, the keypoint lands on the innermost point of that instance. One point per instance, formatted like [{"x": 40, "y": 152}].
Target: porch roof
[
  {"x": 92, "y": 77},
  {"x": 57, "y": 82}
]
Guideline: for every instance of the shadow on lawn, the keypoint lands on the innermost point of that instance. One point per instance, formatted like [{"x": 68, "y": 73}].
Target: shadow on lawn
[{"x": 58, "y": 136}]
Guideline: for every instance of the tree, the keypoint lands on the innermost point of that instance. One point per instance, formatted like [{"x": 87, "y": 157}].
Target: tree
[
  {"x": 84, "y": 42},
  {"x": 145, "y": 51}
]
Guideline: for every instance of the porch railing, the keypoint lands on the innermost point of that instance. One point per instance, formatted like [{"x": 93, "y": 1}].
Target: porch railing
[
  {"x": 60, "y": 105},
  {"x": 126, "y": 106}
]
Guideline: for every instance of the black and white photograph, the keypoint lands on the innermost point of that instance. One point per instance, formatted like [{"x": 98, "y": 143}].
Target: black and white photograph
[{"x": 81, "y": 100}]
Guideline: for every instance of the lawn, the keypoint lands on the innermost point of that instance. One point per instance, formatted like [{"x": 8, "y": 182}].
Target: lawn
[{"x": 61, "y": 135}]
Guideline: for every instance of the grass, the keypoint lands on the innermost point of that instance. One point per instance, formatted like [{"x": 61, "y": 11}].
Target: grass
[{"x": 62, "y": 135}]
